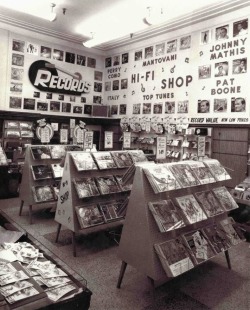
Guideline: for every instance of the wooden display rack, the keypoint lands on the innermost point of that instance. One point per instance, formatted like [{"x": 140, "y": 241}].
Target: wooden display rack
[
  {"x": 68, "y": 200},
  {"x": 25, "y": 191},
  {"x": 139, "y": 251}
]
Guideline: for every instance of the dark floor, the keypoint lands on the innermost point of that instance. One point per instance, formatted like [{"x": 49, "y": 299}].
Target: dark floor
[{"x": 210, "y": 286}]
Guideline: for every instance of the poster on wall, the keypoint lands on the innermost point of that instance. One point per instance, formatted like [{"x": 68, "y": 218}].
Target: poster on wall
[{"x": 108, "y": 139}]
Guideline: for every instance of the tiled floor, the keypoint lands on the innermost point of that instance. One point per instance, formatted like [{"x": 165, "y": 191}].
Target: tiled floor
[{"x": 210, "y": 286}]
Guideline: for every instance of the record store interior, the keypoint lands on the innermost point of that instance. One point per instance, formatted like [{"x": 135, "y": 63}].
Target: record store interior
[{"x": 124, "y": 155}]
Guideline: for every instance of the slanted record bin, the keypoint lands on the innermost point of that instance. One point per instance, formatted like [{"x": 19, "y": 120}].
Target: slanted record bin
[
  {"x": 139, "y": 251},
  {"x": 80, "y": 300}
]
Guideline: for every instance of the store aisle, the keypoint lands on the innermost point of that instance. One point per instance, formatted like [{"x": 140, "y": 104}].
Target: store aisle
[{"x": 209, "y": 286}]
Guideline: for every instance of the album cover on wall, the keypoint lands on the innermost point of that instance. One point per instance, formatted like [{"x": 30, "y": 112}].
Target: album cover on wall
[
  {"x": 174, "y": 257},
  {"x": 166, "y": 215},
  {"x": 89, "y": 215}
]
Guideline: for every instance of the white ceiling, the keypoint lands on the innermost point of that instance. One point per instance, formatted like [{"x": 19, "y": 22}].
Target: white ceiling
[{"x": 100, "y": 17}]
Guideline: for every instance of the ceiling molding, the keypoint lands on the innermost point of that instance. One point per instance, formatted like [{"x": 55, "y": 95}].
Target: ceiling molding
[
  {"x": 208, "y": 12},
  {"x": 41, "y": 30}
]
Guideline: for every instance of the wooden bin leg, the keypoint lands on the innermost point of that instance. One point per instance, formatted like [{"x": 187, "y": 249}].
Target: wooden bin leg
[
  {"x": 152, "y": 287},
  {"x": 228, "y": 259},
  {"x": 74, "y": 243},
  {"x": 21, "y": 208},
  {"x": 30, "y": 213},
  {"x": 122, "y": 271},
  {"x": 58, "y": 232}
]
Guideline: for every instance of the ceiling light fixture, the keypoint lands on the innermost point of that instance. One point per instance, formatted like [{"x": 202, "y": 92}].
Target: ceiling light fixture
[
  {"x": 155, "y": 16},
  {"x": 52, "y": 15}
]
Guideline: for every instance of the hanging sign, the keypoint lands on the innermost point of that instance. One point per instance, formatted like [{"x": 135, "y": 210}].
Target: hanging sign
[
  {"x": 63, "y": 135},
  {"x": 126, "y": 140},
  {"x": 108, "y": 139},
  {"x": 161, "y": 147},
  {"x": 88, "y": 140},
  {"x": 44, "y": 132}
]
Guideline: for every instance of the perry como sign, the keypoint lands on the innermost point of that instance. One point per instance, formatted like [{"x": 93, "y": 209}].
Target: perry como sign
[{"x": 45, "y": 76}]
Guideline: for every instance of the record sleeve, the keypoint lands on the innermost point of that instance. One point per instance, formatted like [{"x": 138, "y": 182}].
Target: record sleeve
[
  {"x": 86, "y": 187},
  {"x": 107, "y": 185},
  {"x": 57, "y": 170},
  {"x": 184, "y": 174},
  {"x": 202, "y": 172},
  {"x": 89, "y": 216},
  {"x": 191, "y": 209},
  {"x": 218, "y": 171},
  {"x": 137, "y": 156},
  {"x": 41, "y": 172},
  {"x": 217, "y": 237},
  {"x": 209, "y": 202},
  {"x": 174, "y": 257},
  {"x": 83, "y": 161},
  {"x": 104, "y": 160},
  {"x": 200, "y": 246},
  {"x": 43, "y": 193},
  {"x": 231, "y": 234},
  {"x": 109, "y": 210},
  {"x": 40, "y": 152},
  {"x": 58, "y": 151},
  {"x": 125, "y": 186},
  {"x": 225, "y": 198},
  {"x": 122, "y": 159},
  {"x": 166, "y": 215},
  {"x": 161, "y": 178}
]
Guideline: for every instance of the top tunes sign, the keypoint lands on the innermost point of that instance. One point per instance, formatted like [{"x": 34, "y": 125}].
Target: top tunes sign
[{"x": 44, "y": 76}]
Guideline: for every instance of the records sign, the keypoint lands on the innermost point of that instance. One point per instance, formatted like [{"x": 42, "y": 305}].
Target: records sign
[
  {"x": 161, "y": 147},
  {"x": 126, "y": 140},
  {"x": 108, "y": 139},
  {"x": 201, "y": 147},
  {"x": 63, "y": 135},
  {"x": 88, "y": 140}
]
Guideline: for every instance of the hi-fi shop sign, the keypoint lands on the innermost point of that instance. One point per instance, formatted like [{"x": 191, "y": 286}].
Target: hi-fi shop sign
[{"x": 45, "y": 76}]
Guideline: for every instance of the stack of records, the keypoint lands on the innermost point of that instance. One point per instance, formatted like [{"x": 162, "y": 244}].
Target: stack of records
[
  {"x": 104, "y": 160},
  {"x": 89, "y": 216},
  {"x": 184, "y": 174},
  {"x": 137, "y": 156},
  {"x": 161, "y": 178},
  {"x": 43, "y": 193},
  {"x": 201, "y": 171},
  {"x": 209, "y": 202},
  {"x": 200, "y": 246},
  {"x": 174, "y": 257},
  {"x": 107, "y": 185},
  {"x": 225, "y": 198},
  {"x": 218, "y": 171},
  {"x": 122, "y": 159},
  {"x": 191, "y": 209},
  {"x": 41, "y": 172},
  {"x": 166, "y": 215},
  {"x": 83, "y": 161},
  {"x": 86, "y": 187}
]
